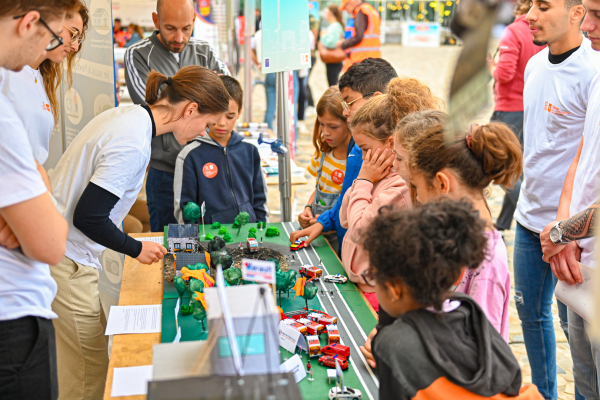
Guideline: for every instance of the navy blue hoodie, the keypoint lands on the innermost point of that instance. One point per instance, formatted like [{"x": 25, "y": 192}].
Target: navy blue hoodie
[{"x": 230, "y": 179}]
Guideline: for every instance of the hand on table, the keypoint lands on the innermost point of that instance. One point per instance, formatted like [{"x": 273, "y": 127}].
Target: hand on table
[
  {"x": 376, "y": 165},
  {"x": 564, "y": 264},
  {"x": 312, "y": 232},
  {"x": 7, "y": 237},
  {"x": 548, "y": 248},
  {"x": 366, "y": 349},
  {"x": 151, "y": 253}
]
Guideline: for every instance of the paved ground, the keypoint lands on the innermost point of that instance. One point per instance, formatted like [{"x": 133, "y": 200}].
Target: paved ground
[{"x": 434, "y": 67}]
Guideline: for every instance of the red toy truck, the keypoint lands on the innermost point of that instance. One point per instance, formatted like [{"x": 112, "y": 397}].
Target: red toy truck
[
  {"x": 314, "y": 346},
  {"x": 333, "y": 334},
  {"x": 297, "y": 326},
  {"x": 310, "y": 271},
  {"x": 314, "y": 328},
  {"x": 321, "y": 318},
  {"x": 336, "y": 348}
]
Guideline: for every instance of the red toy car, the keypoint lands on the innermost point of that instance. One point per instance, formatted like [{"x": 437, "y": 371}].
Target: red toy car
[
  {"x": 329, "y": 361},
  {"x": 339, "y": 349},
  {"x": 297, "y": 245}
]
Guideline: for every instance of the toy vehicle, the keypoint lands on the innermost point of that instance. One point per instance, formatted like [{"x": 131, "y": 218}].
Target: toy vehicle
[
  {"x": 314, "y": 346},
  {"x": 336, "y": 348},
  {"x": 339, "y": 278},
  {"x": 276, "y": 145},
  {"x": 297, "y": 245},
  {"x": 322, "y": 318},
  {"x": 329, "y": 361},
  {"x": 296, "y": 314},
  {"x": 252, "y": 245},
  {"x": 310, "y": 271},
  {"x": 333, "y": 336},
  {"x": 297, "y": 326},
  {"x": 346, "y": 393},
  {"x": 314, "y": 328}
]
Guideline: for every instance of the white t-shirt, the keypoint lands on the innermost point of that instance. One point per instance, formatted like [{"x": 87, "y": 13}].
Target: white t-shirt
[
  {"x": 586, "y": 187},
  {"x": 26, "y": 286},
  {"x": 555, "y": 99},
  {"x": 31, "y": 102},
  {"x": 112, "y": 151}
]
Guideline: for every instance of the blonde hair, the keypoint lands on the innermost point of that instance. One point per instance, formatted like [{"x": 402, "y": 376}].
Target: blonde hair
[{"x": 331, "y": 103}]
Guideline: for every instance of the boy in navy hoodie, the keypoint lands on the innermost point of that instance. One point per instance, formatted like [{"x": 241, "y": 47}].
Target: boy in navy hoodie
[{"x": 222, "y": 170}]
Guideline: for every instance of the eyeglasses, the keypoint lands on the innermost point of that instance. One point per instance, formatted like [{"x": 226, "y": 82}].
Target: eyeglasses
[
  {"x": 367, "y": 277},
  {"x": 55, "y": 41},
  {"x": 76, "y": 37},
  {"x": 346, "y": 106}
]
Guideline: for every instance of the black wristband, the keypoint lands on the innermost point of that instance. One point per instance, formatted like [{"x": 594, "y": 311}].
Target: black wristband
[{"x": 363, "y": 179}]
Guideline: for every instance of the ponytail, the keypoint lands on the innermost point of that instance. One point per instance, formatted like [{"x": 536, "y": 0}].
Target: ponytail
[
  {"x": 491, "y": 153},
  {"x": 193, "y": 84},
  {"x": 379, "y": 116}
]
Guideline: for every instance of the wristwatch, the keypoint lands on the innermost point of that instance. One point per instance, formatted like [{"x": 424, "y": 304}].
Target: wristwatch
[{"x": 556, "y": 235}]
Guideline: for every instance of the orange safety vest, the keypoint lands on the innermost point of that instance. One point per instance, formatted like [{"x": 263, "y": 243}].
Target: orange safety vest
[{"x": 370, "y": 46}]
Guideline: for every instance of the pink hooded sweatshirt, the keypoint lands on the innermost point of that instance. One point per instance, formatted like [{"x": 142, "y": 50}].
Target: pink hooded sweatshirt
[{"x": 360, "y": 207}]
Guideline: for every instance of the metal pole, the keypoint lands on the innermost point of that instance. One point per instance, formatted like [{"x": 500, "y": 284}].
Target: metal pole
[
  {"x": 383, "y": 21},
  {"x": 250, "y": 18},
  {"x": 283, "y": 134}
]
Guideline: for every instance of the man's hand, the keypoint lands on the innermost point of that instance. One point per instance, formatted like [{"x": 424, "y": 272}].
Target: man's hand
[
  {"x": 306, "y": 218},
  {"x": 7, "y": 237},
  {"x": 366, "y": 349},
  {"x": 564, "y": 264},
  {"x": 151, "y": 253},
  {"x": 548, "y": 248},
  {"x": 312, "y": 232},
  {"x": 491, "y": 63},
  {"x": 376, "y": 165}
]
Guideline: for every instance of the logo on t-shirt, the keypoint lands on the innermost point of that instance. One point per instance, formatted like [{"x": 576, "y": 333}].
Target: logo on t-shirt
[
  {"x": 46, "y": 107},
  {"x": 554, "y": 110},
  {"x": 337, "y": 176},
  {"x": 210, "y": 170}
]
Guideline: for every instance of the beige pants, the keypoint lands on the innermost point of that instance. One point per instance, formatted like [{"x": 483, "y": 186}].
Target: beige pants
[{"x": 82, "y": 349}]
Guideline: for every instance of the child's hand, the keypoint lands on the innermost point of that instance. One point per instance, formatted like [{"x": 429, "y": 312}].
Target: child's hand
[
  {"x": 367, "y": 351},
  {"x": 312, "y": 232},
  {"x": 306, "y": 218},
  {"x": 376, "y": 166}
]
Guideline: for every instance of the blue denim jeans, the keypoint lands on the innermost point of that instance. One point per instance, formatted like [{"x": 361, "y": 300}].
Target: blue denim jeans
[
  {"x": 271, "y": 93},
  {"x": 159, "y": 193},
  {"x": 586, "y": 357}
]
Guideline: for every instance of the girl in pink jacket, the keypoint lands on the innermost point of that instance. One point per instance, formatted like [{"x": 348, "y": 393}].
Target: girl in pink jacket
[{"x": 378, "y": 183}]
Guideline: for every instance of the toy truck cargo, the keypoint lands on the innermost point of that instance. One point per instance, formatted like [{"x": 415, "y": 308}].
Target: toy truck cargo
[
  {"x": 322, "y": 318},
  {"x": 296, "y": 325},
  {"x": 314, "y": 328},
  {"x": 310, "y": 271},
  {"x": 333, "y": 334},
  {"x": 314, "y": 346}
]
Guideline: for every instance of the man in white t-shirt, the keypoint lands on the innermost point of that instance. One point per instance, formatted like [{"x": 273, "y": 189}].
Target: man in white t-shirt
[
  {"x": 32, "y": 232},
  {"x": 555, "y": 97},
  {"x": 571, "y": 234}
]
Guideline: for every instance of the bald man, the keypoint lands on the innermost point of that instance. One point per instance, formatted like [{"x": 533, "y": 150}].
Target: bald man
[{"x": 168, "y": 49}]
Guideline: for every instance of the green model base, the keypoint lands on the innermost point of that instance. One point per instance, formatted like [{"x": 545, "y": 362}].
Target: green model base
[{"x": 191, "y": 329}]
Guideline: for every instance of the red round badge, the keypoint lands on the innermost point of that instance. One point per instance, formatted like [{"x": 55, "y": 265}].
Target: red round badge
[
  {"x": 337, "y": 176},
  {"x": 210, "y": 170}
]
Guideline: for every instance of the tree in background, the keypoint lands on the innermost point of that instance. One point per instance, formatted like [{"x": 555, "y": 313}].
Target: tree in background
[
  {"x": 242, "y": 219},
  {"x": 192, "y": 212}
]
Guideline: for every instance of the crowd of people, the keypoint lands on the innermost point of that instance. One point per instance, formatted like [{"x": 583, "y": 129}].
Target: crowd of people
[{"x": 404, "y": 207}]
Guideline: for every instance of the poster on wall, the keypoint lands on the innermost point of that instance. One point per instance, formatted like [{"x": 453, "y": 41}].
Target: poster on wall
[
  {"x": 421, "y": 34},
  {"x": 93, "y": 89}
]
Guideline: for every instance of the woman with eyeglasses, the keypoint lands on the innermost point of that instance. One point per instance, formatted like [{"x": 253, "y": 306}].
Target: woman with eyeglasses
[{"x": 33, "y": 90}]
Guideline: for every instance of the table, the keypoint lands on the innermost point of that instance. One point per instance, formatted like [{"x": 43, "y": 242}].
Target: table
[{"x": 144, "y": 285}]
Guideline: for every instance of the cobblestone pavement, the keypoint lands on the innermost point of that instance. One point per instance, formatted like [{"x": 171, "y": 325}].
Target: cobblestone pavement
[{"x": 434, "y": 67}]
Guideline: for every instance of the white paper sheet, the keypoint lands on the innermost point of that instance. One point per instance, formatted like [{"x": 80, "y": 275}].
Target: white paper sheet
[
  {"x": 155, "y": 239},
  {"x": 294, "y": 365},
  {"x": 578, "y": 297},
  {"x": 178, "y": 336},
  {"x": 131, "y": 381},
  {"x": 134, "y": 319},
  {"x": 290, "y": 338}
]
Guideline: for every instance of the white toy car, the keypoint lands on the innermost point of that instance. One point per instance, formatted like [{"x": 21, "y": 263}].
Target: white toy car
[
  {"x": 347, "y": 393},
  {"x": 335, "y": 278}
]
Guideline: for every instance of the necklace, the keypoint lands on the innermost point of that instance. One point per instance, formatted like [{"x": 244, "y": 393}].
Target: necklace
[{"x": 33, "y": 72}]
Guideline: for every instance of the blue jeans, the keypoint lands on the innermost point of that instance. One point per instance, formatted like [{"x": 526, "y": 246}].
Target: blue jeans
[
  {"x": 271, "y": 92},
  {"x": 586, "y": 357},
  {"x": 534, "y": 290},
  {"x": 159, "y": 193}
]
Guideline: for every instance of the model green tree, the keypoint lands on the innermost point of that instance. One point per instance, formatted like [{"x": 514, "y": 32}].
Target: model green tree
[
  {"x": 272, "y": 231},
  {"x": 223, "y": 230},
  {"x": 209, "y": 236},
  {"x": 233, "y": 276},
  {"x": 216, "y": 225},
  {"x": 180, "y": 285},
  {"x": 198, "y": 267},
  {"x": 195, "y": 286},
  {"x": 310, "y": 291},
  {"x": 192, "y": 212},
  {"x": 252, "y": 235},
  {"x": 261, "y": 225},
  {"x": 285, "y": 280},
  {"x": 242, "y": 219},
  {"x": 199, "y": 312},
  {"x": 228, "y": 238}
]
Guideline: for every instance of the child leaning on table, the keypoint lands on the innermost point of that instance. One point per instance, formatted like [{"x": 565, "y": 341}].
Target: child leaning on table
[
  {"x": 222, "y": 170},
  {"x": 331, "y": 138},
  {"x": 378, "y": 184},
  {"x": 438, "y": 344}
]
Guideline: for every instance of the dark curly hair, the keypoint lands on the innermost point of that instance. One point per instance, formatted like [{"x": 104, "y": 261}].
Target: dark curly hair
[
  {"x": 368, "y": 76},
  {"x": 426, "y": 247}
]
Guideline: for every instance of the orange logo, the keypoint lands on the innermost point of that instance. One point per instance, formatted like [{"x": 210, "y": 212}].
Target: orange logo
[
  {"x": 337, "y": 176},
  {"x": 554, "y": 110},
  {"x": 46, "y": 106},
  {"x": 210, "y": 170}
]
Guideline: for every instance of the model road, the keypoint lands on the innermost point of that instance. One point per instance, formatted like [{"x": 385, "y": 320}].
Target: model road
[{"x": 351, "y": 332}]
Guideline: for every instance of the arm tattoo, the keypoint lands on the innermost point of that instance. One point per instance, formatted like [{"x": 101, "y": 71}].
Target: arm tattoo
[{"x": 582, "y": 225}]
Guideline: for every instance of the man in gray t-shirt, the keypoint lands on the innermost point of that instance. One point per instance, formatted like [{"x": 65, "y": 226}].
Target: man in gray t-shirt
[{"x": 168, "y": 49}]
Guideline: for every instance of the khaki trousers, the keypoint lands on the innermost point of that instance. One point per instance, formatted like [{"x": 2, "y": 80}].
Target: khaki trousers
[{"x": 82, "y": 347}]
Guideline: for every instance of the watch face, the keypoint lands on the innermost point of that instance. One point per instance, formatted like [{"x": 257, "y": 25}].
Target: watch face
[{"x": 554, "y": 235}]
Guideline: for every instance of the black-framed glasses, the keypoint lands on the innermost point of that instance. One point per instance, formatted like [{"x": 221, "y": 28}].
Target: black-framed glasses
[
  {"x": 346, "y": 106},
  {"x": 368, "y": 277},
  {"x": 55, "y": 41}
]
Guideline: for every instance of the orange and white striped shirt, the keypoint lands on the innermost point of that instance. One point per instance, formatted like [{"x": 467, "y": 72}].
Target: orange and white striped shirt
[{"x": 333, "y": 173}]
